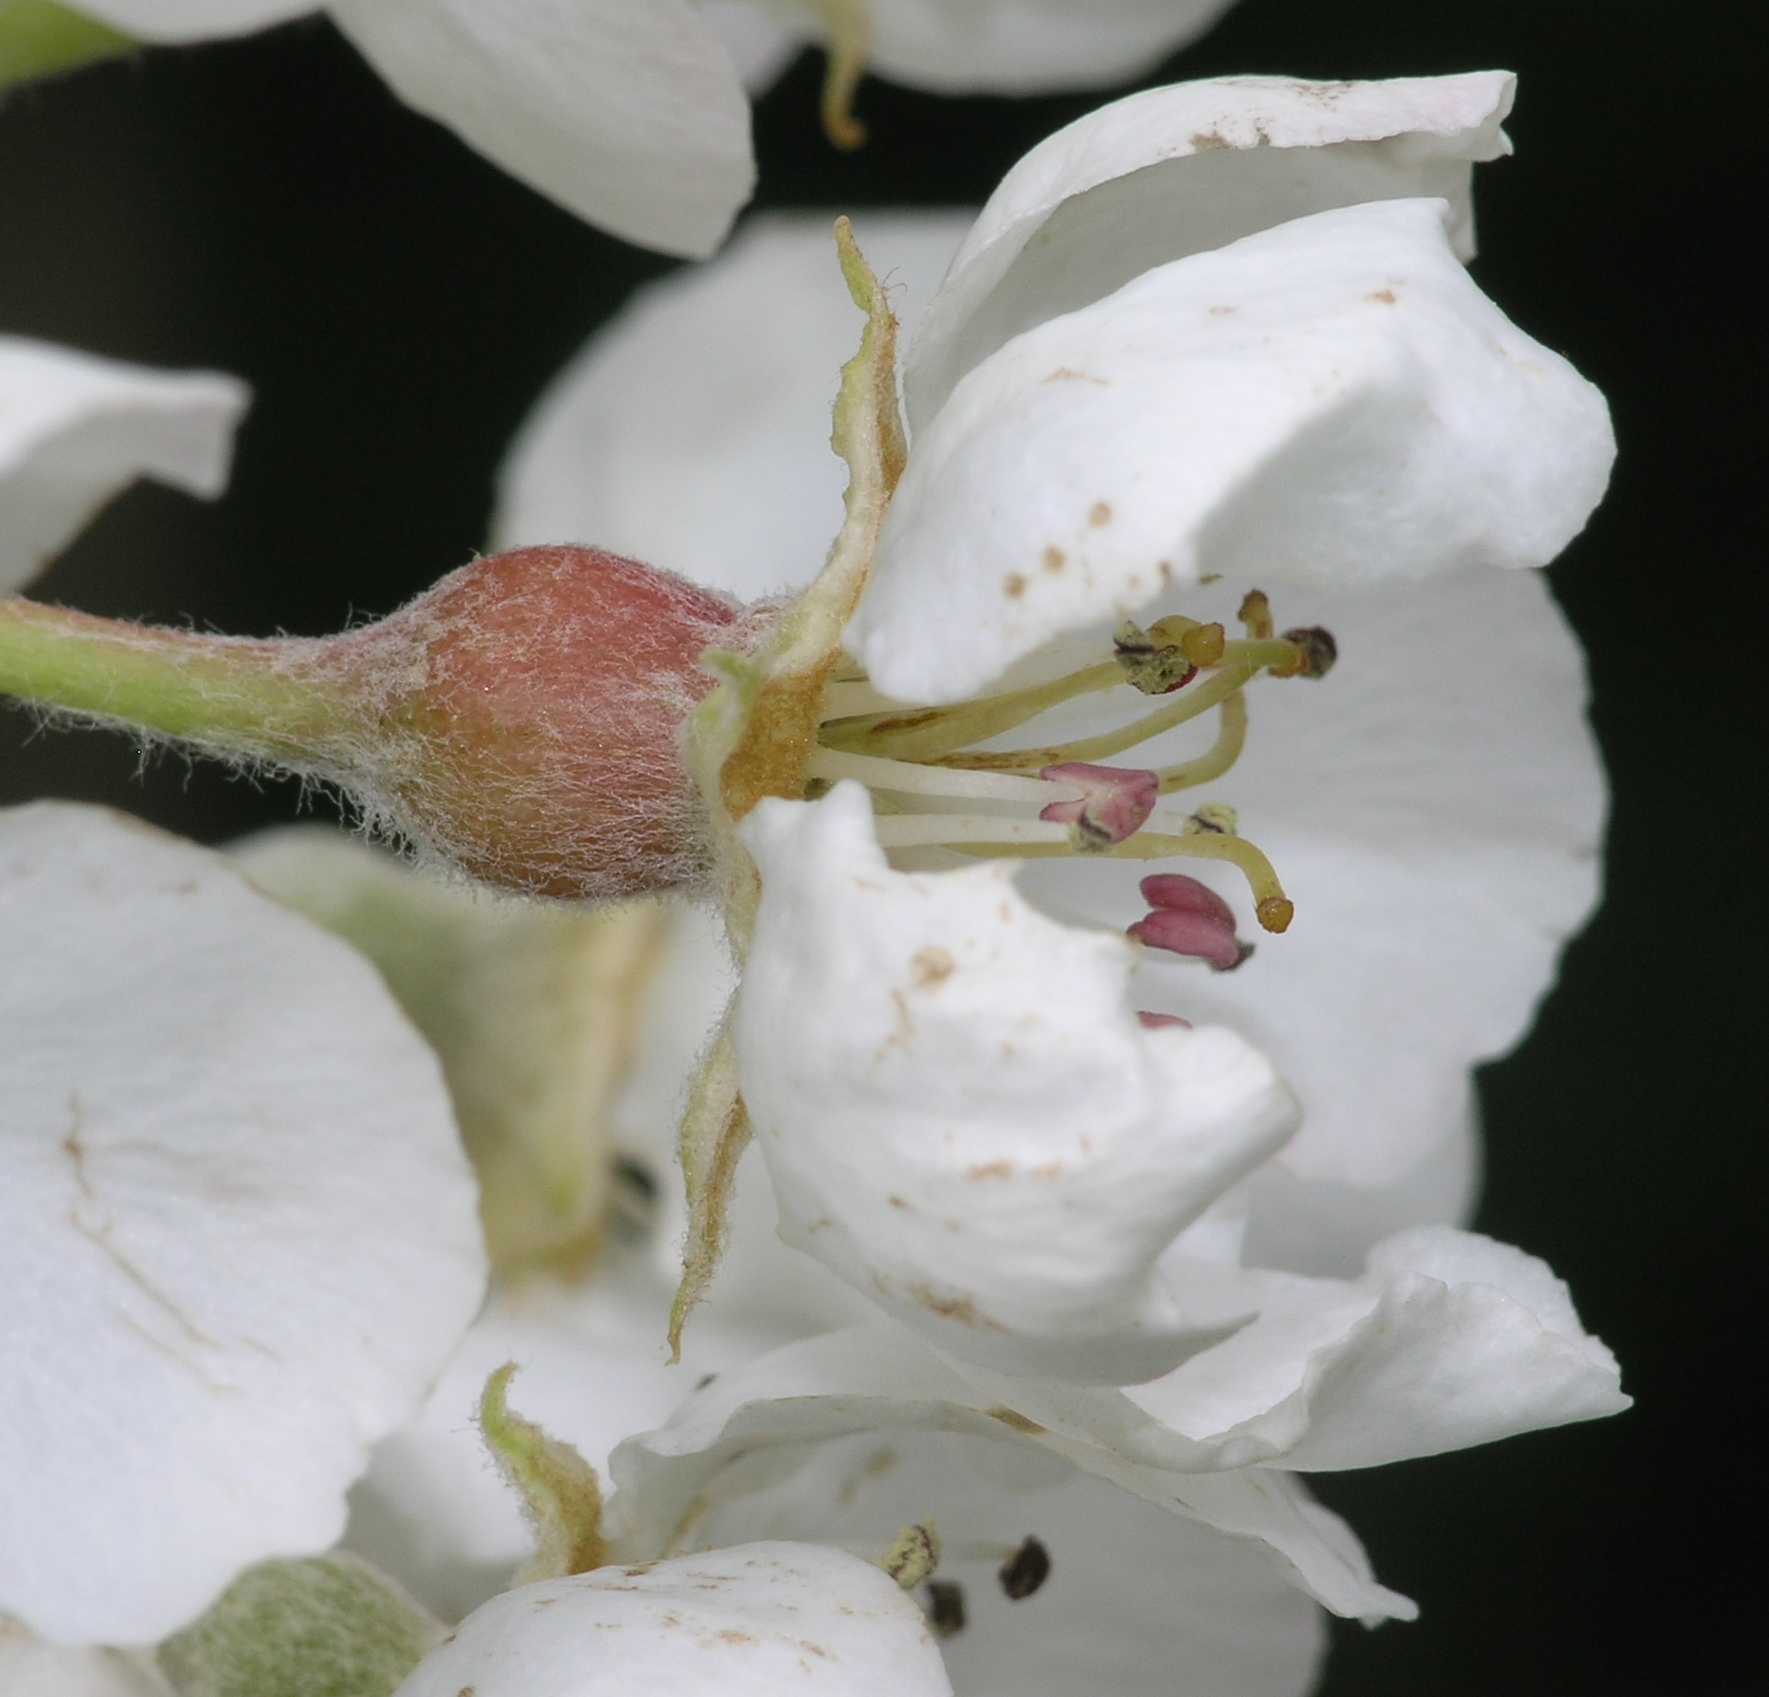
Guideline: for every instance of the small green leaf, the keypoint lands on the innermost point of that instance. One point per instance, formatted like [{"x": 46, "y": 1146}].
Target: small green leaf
[{"x": 559, "y": 1489}]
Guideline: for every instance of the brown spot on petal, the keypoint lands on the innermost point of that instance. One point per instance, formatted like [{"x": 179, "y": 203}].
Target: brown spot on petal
[
  {"x": 898, "y": 1202},
  {"x": 1221, "y": 311},
  {"x": 1013, "y": 586},
  {"x": 1055, "y": 559},
  {"x": 959, "y": 1308},
  {"x": 1065, "y": 374},
  {"x": 731, "y": 1636},
  {"x": 1020, "y": 1422},
  {"x": 1099, "y": 513},
  {"x": 932, "y": 967},
  {"x": 1384, "y": 296},
  {"x": 1207, "y": 141},
  {"x": 990, "y": 1169}
]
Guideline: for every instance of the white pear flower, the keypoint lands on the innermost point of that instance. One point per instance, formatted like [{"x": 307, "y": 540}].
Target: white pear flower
[
  {"x": 1328, "y": 402},
  {"x": 212, "y": 1311},
  {"x": 76, "y": 430}
]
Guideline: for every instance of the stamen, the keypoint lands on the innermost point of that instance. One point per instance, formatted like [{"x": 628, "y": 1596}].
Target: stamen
[
  {"x": 1156, "y": 1021},
  {"x": 1190, "y": 918},
  {"x": 1231, "y": 738},
  {"x": 846, "y": 46},
  {"x": 1273, "y": 909},
  {"x": 1115, "y": 803},
  {"x": 1026, "y": 1572},
  {"x": 923, "y": 733},
  {"x": 978, "y": 833},
  {"x": 909, "y": 778},
  {"x": 1255, "y": 614},
  {"x": 913, "y": 1556},
  {"x": 1103, "y": 747},
  {"x": 945, "y": 1607}
]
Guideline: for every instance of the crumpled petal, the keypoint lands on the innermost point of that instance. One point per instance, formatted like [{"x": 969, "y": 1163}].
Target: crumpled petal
[
  {"x": 716, "y": 1467},
  {"x": 693, "y": 431},
  {"x": 1449, "y": 1340},
  {"x": 1332, "y": 402},
  {"x": 631, "y": 116},
  {"x": 962, "y": 1115},
  {"x": 75, "y": 430},
  {"x": 749, "y": 1621},
  {"x": 1436, "y": 807},
  {"x": 214, "y": 1306},
  {"x": 193, "y": 20},
  {"x": 1180, "y": 170}
]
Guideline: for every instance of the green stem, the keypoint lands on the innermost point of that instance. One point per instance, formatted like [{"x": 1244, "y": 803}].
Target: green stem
[{"x": 232, "y": 695}]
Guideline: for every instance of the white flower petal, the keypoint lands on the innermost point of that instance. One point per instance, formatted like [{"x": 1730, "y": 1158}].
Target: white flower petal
[
  {"x": 1020, "y": 46},
  {"x": 963, "y": 1117},
  {"x": 759, "y": 42},
  {"x": 239, "y": 1231},
  {"x": 1139, "y": 1602},
  {"x": 74, "y": 430},
  {"x": 631, "y": 116},
  {"x": 693, "y": 431},
  {"x": 31, "y": 1668},
  {"x": 726, "y": 1458},
  {"x": 193, "y": 20},
  {"x": 1180, "y": 170},
  {"x": 1450, "y": 1340},
  {"x": 750, "y": 1621},
  {"x": 1435, "y": 808},
  {"x": 1332, "y": 402}
]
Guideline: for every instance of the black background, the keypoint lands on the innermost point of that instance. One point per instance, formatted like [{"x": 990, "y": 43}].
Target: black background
[{"x": 265, "y": 207}]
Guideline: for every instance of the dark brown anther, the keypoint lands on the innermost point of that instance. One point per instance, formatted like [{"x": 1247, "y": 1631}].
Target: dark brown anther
[
  {"x": 1318, "y": 650},
  {"x": 1025, "y": 1570},
  {"x": 945, "y": 1599}
]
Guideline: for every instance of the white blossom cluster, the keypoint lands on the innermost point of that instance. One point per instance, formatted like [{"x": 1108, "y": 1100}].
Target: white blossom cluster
[{"x": 1059, "y": 1259}]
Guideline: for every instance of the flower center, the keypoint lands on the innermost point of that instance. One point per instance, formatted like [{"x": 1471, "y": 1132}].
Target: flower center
[{"x": 935, "y": 784}]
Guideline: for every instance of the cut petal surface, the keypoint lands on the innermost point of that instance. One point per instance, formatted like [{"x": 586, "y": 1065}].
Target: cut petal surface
[
  {"x": 1332, "y": 402},
  {"x": 749, "y": 1621},
  {"x": 75, "y": 430},
  {"x": 1180, "y": 170},
  {"x": 630, "y": 116},
  {"x": 239, "y": 1233},
  {"x": 964, "y": 1117}
]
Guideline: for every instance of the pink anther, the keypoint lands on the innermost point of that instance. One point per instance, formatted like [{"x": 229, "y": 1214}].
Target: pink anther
[
  {"x": 1189, "y": 918},
  {"x": 1115, "y": 802},
  {"x": 1155, "y": 1021}
]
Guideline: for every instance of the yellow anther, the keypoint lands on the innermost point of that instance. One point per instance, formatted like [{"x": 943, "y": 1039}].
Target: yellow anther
[
  {"x": 1255, "y": 615},
  {"x": 1201, "y": 644}
]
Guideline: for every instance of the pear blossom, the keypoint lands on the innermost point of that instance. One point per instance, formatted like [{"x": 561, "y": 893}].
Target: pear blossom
[
  {"x": 75, "y": 430},
  {"x": 213, "y": 1314},
  {"x": 1326, "y": 391}
]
